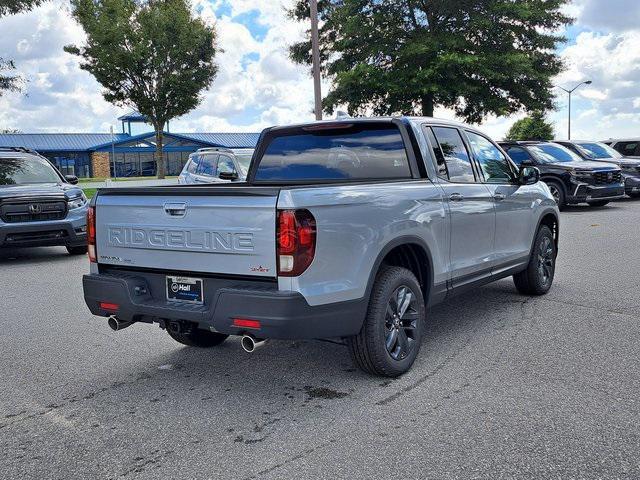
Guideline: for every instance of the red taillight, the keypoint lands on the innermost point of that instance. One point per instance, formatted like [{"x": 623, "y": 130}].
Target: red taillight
[
  {"x": 296, "y": 241},
  {"x": 91, "y": 234},
  {"x": 112, "y": 307},
  {"x": 245, "y": 323}
]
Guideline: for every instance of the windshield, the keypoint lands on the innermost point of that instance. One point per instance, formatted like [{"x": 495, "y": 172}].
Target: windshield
[
  {"x": 599, "y": 150},
  {"x": 22, "y": 171},
  {"x": 550, "y": 153},
  {"x": 333, "y": 153}
]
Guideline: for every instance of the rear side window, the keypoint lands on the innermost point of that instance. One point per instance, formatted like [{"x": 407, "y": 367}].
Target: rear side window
[
  {"x": 352, "y": 151},
  {"x": 455, "y": 154},
  {"x": 437, "y": 153}
]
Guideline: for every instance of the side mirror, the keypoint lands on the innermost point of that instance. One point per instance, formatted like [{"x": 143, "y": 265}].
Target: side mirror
[
  {"x": 228, "y": 176},
  {"x": 528, "y": 175},
  {"x": 72, "y": 179}
]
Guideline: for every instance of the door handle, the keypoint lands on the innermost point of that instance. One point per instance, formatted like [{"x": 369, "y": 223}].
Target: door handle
[
  {"x": 499, "y": 196},
  {"x": 175, "y": 209},
  {"x": 456, "y": 197}
]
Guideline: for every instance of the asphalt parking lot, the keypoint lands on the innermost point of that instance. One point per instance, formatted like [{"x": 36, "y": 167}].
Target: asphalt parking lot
[{"x": 505, "y": 386}]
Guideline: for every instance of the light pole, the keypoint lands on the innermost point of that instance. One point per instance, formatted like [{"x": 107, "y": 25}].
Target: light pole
[
  {"x": 315, "y": 54},
  {"x": 586, "y": 82}
]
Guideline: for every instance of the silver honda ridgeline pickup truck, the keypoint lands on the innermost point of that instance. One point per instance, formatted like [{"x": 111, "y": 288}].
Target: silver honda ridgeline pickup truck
[{"x": 347, "y": 229}]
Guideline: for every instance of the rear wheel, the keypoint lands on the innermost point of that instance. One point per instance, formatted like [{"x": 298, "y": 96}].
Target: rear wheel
[
  {"x": 601, "y": 203},
  {"x": 538, "y": 277},
  {"x": 391, "y": 335},
  {"x": 557, "y": 190},
  {"x": 82, "y": 250},
  {"x": 197, "y": 338}
]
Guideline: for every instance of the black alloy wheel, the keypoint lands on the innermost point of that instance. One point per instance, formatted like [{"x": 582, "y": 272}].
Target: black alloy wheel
[{"x": 401, "y": 322}]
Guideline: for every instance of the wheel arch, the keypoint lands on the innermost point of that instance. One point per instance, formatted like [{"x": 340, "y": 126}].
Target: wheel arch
[
  {"x": 410, "y": 252},
  {"x": 550, "y": 219}
]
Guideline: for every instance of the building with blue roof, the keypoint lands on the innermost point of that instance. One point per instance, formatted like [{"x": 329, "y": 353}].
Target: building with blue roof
[{"x": 98, "y": 154}]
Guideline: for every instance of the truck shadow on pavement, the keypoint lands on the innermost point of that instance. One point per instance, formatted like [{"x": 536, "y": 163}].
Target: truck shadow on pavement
[
  {"x": 16, "y": 256},
  {"x": 285, "y": 373}
]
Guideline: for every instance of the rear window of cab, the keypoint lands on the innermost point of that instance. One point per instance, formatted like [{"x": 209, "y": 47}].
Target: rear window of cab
[{"x": 347, "y": 152}]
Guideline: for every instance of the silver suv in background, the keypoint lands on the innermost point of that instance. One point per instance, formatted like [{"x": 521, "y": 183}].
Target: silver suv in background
[
  {"x": 216, "y": 165},
  {"x": 342, "y": 229}
]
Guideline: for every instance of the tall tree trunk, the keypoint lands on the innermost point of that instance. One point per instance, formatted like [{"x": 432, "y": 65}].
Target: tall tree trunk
[
  {"x": 159, "y": 154},
  {"x": 427, "y": 106}
]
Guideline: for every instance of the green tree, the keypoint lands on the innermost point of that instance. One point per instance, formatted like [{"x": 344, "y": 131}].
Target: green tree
[
  {"x": 151, "y": 55},
  {"x": 10, "y": 82},
  {"x": 409, "y": 56},
  {"x": 533, "y": 127}
]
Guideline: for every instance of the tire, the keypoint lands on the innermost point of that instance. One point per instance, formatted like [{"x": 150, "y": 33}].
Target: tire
[
  {"x": 538, "y": 277},
  {"x": 601, "y": 203},
  {"x": 82, "y": 250},
  {"x": 368, "y": 348},
  {"x": 198, "y": 338},
  {"x": 559, "y": 195},
  {"x": 634, "y": 195}
]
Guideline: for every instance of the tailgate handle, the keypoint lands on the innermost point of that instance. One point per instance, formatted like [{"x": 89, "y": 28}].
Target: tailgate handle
[{"x": 175, "y": 209}]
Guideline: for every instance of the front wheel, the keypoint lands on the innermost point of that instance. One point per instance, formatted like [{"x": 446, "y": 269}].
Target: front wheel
[
  {"x": 557, "y": 191},
  {"x": 601, "y": 203},
  {"x": 390, "y": 338},
  {"x": 538, "y": 277}
]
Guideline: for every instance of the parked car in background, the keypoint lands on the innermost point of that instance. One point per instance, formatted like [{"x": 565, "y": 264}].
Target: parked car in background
[
  {"x": 628, "y": 147},
  {"x": 600, "y": 152},
  {"x": 571, "y": 179},
  {"x": 39, "y": 206},
  {"x": 343, "y": 229},
  {"x": 216, "y": 165}
]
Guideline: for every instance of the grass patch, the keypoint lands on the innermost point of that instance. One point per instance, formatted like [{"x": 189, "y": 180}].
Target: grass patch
[{"x": 89, "y": 192}]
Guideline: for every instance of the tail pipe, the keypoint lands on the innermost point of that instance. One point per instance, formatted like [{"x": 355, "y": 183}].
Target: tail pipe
[
  {"x": 250, "y": 343},
  {"x": 117, "y": 325}
]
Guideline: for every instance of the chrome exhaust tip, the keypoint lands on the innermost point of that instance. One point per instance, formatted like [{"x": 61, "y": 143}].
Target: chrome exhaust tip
[
  {"x": 117, "y": 325},
  {"x": 250, "y": 344}
]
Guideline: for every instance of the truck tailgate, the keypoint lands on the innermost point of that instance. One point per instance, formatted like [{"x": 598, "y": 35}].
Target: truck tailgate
[{"x": 189, "y": 229}]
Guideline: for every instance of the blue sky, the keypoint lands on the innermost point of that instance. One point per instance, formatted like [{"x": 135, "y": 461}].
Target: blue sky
[{"x": 259, "y": 86}]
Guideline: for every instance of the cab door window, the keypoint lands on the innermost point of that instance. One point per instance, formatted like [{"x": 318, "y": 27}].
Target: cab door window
[
  {"x": 207, "y": 165},
  {"x": 494, "y": 165},
  {"x": 455, "y": 154},
  {"x": 225, "y": 165},
  {"x": 518, "y": 155}
]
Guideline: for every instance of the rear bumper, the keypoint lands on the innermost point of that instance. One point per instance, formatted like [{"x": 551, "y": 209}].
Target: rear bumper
[
  {"x": 70, "y": 232},
  {"x": 141, "y": 297},
  {"x": 583, "y": 192}
]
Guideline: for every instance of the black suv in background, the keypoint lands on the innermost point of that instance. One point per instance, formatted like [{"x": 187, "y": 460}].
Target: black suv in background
[
  {"x": 38, "y": 205},
  {"x": 571, "y": 179},
  {"x": 600, "y": 152}
]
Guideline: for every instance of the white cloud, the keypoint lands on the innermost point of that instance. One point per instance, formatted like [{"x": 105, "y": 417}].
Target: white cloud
[
  {"x": 612, "y": 15},
  {"x": 256, "y": 83}
]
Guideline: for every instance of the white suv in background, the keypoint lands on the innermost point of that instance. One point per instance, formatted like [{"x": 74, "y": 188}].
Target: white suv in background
[
  {"x": 628, "y": 147},
  {"x": 215, "y": 165}
]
